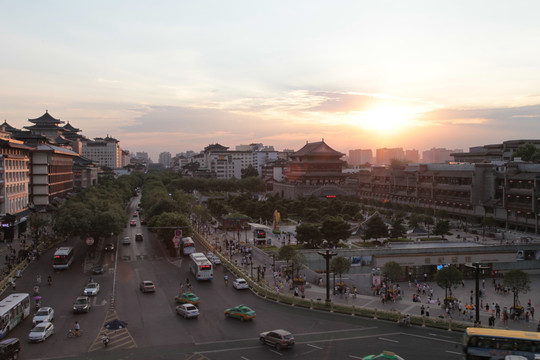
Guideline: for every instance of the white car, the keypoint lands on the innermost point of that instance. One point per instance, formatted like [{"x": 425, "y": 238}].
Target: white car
[
  {"x": 43, "y": 314},
  {"x": 187, "y": 311},
  {"x": 41, "y": 331},
  {"x": 91, "y": 289},
  {"x": 126, "y": 241},
  {"x": 240, "y": 284},
  {"x": 215, "y": 260}
]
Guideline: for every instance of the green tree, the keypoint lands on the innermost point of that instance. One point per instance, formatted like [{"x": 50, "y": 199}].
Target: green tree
[
  {"x": 414, "y": 220},
  {"x": 442, "y": 228},
  {"x": 447, "y": 278},
  {"x": 73, "y": 219},
  {"x": 392, "y": 271},
  {"x": 335, "y": 229},
  {"x": 250, "y": 171},
  {"x": 309, "y": 234},
  {"x": 340, "y": 265},
  {"x": 287, "y": 253},
  {"x": 375, "y": 228},
  {"x": 519, "y": 282},
  {"x": 397, "y": 230},
  {"x": 527, "y": 152}
]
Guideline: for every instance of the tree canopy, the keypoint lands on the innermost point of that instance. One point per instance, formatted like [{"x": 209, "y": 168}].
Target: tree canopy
[
  {"x": 519, "y": 282},
  {"x": 392, "y": 271},
  {"x": 375, "y": 228},
  {"x": 341, "y": 265},
  {"x": 448, "y": 277}
]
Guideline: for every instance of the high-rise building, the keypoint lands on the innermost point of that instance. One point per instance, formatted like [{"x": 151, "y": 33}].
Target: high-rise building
[
  {"x": 385, "y": 155},
  {"x": 104, "y": 151},
  {"x": 438, "y": 155},
  {"x": 360, "y": 157},
  {"x": 165, "y": 159},
  {"x": 412, "y": 155}
]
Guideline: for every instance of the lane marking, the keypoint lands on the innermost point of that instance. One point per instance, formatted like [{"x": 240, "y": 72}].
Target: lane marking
[
  {"x": 316, "y": 347},
  {"x": 355, "y": 357},
  {"x": 454, "y": 352},
  {"x": 394, "y": 341},
  {"x": 276, "y": 352}
]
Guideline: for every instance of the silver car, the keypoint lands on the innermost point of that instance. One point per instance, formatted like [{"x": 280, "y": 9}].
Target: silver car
[
  {"x": 41, "y": 331},
  {"x": 45, "y": 313},
  {"x": 187, "y": 311},
  {"x": 279, "y": 338}
]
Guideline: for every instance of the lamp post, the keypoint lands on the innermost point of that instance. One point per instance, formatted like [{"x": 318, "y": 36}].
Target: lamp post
[
  {"x": 327, "y": 255},
  {"x": 477, "y": 267}
]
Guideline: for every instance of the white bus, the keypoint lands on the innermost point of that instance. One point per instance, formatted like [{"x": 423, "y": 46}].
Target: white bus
[
  {"x": 188, "y": 246},
  {"x": 201, "y": 267},
  {"x": 13, "y": 309},
  {"x": 63, "y": 257}
]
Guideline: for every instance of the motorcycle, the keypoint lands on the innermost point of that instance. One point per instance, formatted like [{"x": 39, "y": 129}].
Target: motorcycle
[{"x": 106, "y": 340}]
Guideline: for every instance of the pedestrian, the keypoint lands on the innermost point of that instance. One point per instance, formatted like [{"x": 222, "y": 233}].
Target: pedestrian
[
  {"x": 296, "y": 291},
  {"x": 532, "y": 312},
  {"x": 422, "y": 310},
  {"x": 427, "y": 311},
  {"x": 425, "y": 277},
  {"x": 13, "y": 285}
]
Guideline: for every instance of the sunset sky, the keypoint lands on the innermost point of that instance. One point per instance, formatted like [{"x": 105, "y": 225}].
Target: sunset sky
[{"x": 178, "y": 75}]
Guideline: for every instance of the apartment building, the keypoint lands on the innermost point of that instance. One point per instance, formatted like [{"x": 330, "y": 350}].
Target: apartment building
[{"x": 360, "y": 157}]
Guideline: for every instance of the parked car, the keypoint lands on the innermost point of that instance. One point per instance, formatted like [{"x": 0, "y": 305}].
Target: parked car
[
  {"x": 240, "y": 284},
  {"x": 279, "y": 338},
  {"x": 187, "y": 298},
  {"x": 187, "y": 311},
  {"x": 147, "y": 286},
  {"x": 240, "y": 312},
  {"x": 81, "y": 304},
  {"x": 138, "y": 237},
  {"x": 133, "y": 223},
  {"x": 10, "y": 348},
  {"x": 98, "y": 269},
  {"x": 384, "y": 355},
  {"x": 126, "y": 241},
  {"x": 91, "y": 289},
  {"x": 108, "y": 247},
  {"x": 45, "y": 313},
  {"x": 41, "y": 332}
]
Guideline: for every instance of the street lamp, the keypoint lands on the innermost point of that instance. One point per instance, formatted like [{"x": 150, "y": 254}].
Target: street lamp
[
  {"x": 477, "y": 267},
  {"x": 327, "y": 255}
]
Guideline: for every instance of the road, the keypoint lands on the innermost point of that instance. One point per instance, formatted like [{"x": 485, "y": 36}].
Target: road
[{"x": 154, "y": 331}]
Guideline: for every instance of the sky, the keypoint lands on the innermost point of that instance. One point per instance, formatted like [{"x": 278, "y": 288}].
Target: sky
[{"x": 181, "y": 75}]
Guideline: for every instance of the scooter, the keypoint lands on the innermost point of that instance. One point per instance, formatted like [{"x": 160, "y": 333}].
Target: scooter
[{"x": 105, "y": 339}]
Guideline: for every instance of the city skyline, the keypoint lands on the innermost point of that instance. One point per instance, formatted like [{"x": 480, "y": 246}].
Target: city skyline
[{"x": 179, "y": 76}]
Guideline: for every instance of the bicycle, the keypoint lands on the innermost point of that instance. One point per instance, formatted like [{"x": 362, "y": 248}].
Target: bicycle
[
  {"x": 74, "y": 333},
  {"x": 226, "y": 278}
]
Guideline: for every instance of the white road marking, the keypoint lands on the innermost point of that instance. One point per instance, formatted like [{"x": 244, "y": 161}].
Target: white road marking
[
  {"x": 316, "y": 347},
  {"x": 454, "y": 352},
  {"x": 276, "y": 352},
  {"x": 355, "y": 357},
  {"x": 394, "y": 341}
]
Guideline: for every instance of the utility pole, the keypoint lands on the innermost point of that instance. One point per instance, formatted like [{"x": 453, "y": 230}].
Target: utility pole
[{"x": 327, "y": 255}]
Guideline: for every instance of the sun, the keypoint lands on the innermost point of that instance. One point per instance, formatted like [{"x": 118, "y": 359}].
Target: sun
[{"x": 386, "y": 119}]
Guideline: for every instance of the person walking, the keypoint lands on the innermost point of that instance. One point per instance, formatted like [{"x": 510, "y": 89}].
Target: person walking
[
  {"x": 422, "y": 310},
  {"x": 427, "y": 310}
]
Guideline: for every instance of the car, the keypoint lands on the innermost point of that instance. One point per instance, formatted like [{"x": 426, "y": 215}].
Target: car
[
  {"x": 44, "y": 313},
  {"x": 240, "y": 284},
  {"x": 91, "y": 289},
  {"x": 41, "y": 332},
  {"x": 98, "y": 269},
  {"x": 187, "y": 311},
  {"x": 143, "y": 221},
  {"x": 10, "y": 348},
  {"x": 133, "y": 223},
  {"x": 279, "y": 338},
  {"x": 126, "y": 241},
  {"x": 187, "y": 298},
  {"x": 384, "y": 355},
  {"x": 214, "y": 259},
  {"x": 135, "y": 214},
  {"x": 109, "y": 247},
  {"x": 147, "y": 286},
  {"x": 81, "y": 304},
  {"x": 138, "y": 237},
  {"x": 241, "y": 312}
]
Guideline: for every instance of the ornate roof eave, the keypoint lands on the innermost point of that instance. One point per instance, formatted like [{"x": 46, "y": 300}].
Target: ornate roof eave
[{"x": 46, "y": 119}]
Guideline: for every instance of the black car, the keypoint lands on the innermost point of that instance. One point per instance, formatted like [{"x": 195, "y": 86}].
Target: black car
[
  {"x": 98, "y": 269},
  {"x": 9, "y": 349}
]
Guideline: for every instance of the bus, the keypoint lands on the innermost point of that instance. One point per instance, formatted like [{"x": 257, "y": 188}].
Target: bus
[
  {"x": 482, "y": 343},
  {"x": 63, "y": 257},
  {"x": 201, "y": 267},
  {"x": 13, "y": 309},
  {"x": 188, "y": 246}
]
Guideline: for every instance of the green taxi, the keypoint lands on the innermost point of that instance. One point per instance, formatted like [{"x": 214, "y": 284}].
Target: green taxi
[
  {"x": 240, "y": 312},
  {"x": 187, "y": 298}
]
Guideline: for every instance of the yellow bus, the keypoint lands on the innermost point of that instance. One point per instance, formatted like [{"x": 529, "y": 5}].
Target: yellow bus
[{"x": 493, "y": 344}]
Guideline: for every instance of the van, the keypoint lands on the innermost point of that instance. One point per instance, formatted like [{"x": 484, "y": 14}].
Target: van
[
  {"x": 138, "y": 237},
  {"x": 9, "y": 349}
]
